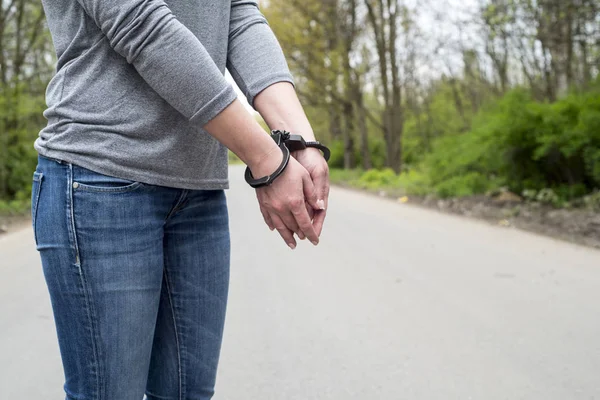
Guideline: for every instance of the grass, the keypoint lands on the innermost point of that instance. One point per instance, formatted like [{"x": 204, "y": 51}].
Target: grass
[
  {"x": 14, "y": 208},
  {"x": 345, "y": 176}
]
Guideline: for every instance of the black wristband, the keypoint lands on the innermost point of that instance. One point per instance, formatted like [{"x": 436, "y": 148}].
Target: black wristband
[{"x": 267, "y": 180}]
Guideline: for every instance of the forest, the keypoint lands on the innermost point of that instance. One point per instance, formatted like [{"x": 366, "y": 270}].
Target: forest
[
  {"x": 445, "y": 98},
  {"x": 452, "y": 98}
]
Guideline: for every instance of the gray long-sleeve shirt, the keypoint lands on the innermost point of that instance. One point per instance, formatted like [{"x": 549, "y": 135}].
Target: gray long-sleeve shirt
[{"x": 137, "y": 79}]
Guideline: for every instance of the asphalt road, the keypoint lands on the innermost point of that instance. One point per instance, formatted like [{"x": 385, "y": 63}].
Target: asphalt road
[{"x": 396, "y": 303}]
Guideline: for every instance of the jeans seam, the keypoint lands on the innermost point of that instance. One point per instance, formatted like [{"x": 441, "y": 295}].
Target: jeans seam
[
  {"x": 154, "y": 396},
  {"x": 71, "y": 217},
  {"x": 35, "y": 205},
  {"x": 178, "y": 204},
  {"x": 177, "y": 342},
  {"x": 84, "y": 287},
  {"x": 115, "y": 190}
]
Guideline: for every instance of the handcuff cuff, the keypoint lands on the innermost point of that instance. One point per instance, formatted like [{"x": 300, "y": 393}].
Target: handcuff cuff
[{"x": 288, "y": 143}]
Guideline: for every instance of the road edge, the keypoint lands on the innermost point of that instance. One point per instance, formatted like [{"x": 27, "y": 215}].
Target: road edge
[{"x": 506, "y": 222}]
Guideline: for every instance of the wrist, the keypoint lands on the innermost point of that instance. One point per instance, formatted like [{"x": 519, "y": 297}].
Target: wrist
[
  {"x": 307, "y": 134},
  {"x": 266, "y": 162},
  {"x": 301, "y": 128}
]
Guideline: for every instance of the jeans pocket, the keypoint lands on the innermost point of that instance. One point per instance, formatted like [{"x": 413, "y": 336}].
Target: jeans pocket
[
  {"x": 113, "y": 187},
  {"x": 36, "y": 188},
  {"x": 90, "y": 181}
]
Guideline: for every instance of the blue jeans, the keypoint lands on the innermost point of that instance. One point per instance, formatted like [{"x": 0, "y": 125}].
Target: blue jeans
[{"x": 138, "y": 278}]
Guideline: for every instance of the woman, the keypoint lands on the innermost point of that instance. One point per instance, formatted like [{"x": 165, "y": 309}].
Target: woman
[{"x": 128, "y": 207}]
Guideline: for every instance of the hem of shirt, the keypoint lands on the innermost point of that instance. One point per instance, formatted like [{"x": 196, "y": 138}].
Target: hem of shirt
[
  {"x": 149, "y": 179},
  {"x": 214, "y": 107}
]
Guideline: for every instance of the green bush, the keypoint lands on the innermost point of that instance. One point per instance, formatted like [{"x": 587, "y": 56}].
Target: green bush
[
  {"x": 374, "y": 179},
  {"x": 350, "y": 176},
  {"x": 15, "y": 207},
  {"x": 377, "y": 150},
  {"x": 523, "y": 145},
  {"x": 464, "y": 185},
  {"x": 415, "y": 183},
  {"x": 337, "y": 154},
  {"x": 21, "y": 118},
  {"x": 592, "y": 201},
  {"x": 233, "y": 159}
]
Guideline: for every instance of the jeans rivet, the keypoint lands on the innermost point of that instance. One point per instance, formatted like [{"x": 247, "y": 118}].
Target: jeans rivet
[{"x": 75, "y": 185}]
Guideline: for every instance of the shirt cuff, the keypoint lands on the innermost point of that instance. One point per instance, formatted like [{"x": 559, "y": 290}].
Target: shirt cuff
[
  {"x": 214, "y": 107},
  {"x": 257, "y": 87}
]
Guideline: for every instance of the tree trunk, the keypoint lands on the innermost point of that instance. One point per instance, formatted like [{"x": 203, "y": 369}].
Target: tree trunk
[
  {"x": 569, "y": 42},
  {"x": 335, "y": 125},
  {"x": 362, "y": 126},
  {"x": 347, "y": 135}
]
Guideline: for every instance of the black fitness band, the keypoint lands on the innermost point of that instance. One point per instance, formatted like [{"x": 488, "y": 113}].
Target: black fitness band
[{"x": 287, "y": 143}]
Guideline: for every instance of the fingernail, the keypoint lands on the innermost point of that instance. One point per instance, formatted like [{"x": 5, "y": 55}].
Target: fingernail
[
  {"x": 292, "y": 246},
  {"x": 315, "y": 243},
  {"x": 321, "y": 204}
]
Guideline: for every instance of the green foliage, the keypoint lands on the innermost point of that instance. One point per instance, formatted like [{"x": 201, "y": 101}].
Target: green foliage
[
  {"x": 345, "y": 176},
  {"x": 464, "y": 185},
  {"x": 411, "y": 182},
  {"x": 548, "y": 152},
  {"x": 375, "y": 179},
  {"x": 233, "y": 159},
  {"x": 377, "y": 151},
  {"x": 523, "y": 144},
  {"x": 592, "y": 201},
  {"x": 415, "y": 183},
  {"x": 14, "y": 208},
  {"x": 21, "y": 119},
  {"x": 337, "y": 154}
]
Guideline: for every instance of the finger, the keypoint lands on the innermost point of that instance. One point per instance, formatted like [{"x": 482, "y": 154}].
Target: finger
[
  {"x": 304, "y": 222},
  {"x": 310, "y": 193},
  {"x": 311, "y": 211},
  {"x": 286, "y": 234},
  {"x": 318, "y": 221},
  {"x": 320, "y": 179},
  {"x": 267, "y": 218},
  {"x": 290, "y": 223}
]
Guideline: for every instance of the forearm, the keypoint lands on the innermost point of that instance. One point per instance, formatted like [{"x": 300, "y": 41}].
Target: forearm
[
  {"x": 281, "y": 109},
  {"x": 239, "y": 132}
]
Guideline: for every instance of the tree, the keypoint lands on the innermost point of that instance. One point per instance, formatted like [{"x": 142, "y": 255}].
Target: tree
[{"x": 25, "y": 67}]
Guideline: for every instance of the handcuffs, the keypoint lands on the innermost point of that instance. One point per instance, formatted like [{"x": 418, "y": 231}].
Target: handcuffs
[{"x": 288, "y": 143}]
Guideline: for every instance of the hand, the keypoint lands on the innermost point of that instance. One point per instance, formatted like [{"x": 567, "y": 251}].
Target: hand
[
  {"x": 283, "y": 204},
  {"x": 314, "y": 162}
]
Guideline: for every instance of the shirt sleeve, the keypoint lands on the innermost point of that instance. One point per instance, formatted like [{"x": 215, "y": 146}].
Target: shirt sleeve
[
  {"x": 255, "y": 58},
  {"x": 165, "y": 53}
]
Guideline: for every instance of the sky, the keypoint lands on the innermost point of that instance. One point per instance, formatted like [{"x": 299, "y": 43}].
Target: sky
[{"x": 436, "y": 18}]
